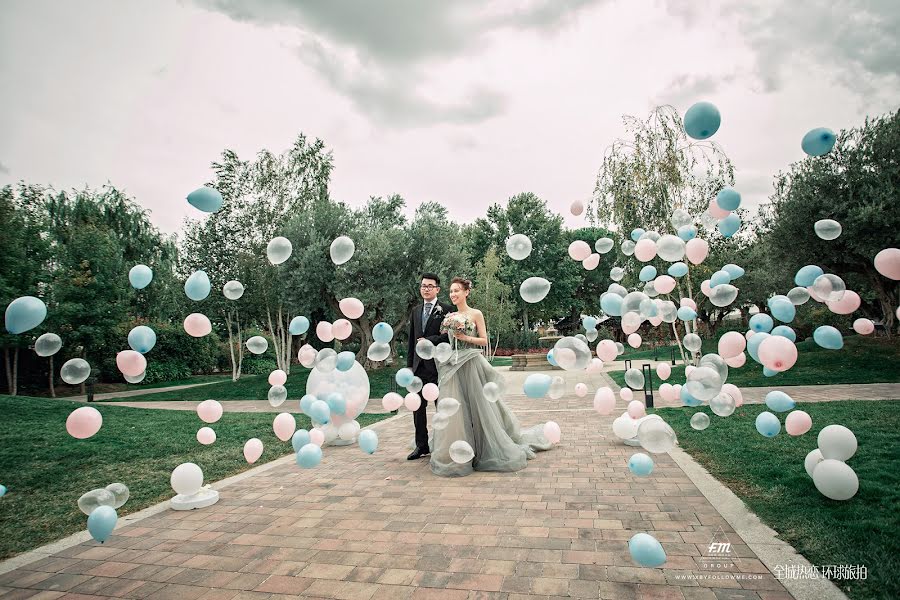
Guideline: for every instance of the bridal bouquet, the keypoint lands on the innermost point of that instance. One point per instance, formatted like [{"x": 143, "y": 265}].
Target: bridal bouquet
[{"x": 457, "y": 323}]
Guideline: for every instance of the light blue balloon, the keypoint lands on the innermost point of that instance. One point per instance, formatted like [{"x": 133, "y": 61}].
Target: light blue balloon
[
  {"x": 101, "y": 522},
  {"x": 782, "y": 309},
  {"x": 309, "y": 456},
  {"x": 702, "y": 120},
  {"x": 537, "y": 385},
  {"x": 689, "y": 399},
  {"x": 761, "y": 322},
  {"x": 197, "y": 286},
  {"x": 733, "y": 270},
  {"x": 2, "y": 490},
  {"x": 611, "y": 304},
  {"x": 637, "y": 233},
  {"x": 140, "y": 276},
  {"x": 142, "y": 339},
  {"x": 807, "y": 275},
  {"x": 640, "y": 464},
  {"x": 299, "y": 439},
  {"x": 404, "y": 377},
  {"x": 828, "y": 337},
  {"x": 767, "y": 372},
  {"x": 645, "y": 549},
  {"x": 320, "y": 412},
  {"x": 687, "y": 232},
  {"x": 785, "y": 331},
  {"x": 345, "y": 361},
  {"x": 299, "y": 325},
  {"x": 306, "y": 403},
  {"x": 382, "y": 333},
  {"x": 24, "y": 313},
  {"x": 678, "y": 269},
  {"x": 206, "y": 199},
  {"x": 336, "y": 402},
  {"x": 718, "y": 278},
  {"x": 728, "y": 198},
  {"x": 753, "y": 345},
  {"x": 818, "y": 141},
  {"x": 550, "y": 358},
  {"x": 368, "y": 441},
  {"x": 686, "y": 313},
  {"x": 729, "y": 225},
  {"x": 648, "y": 273},
  {"x": 778, "y": 401},
  {"x": 589, "y": 323},
  {"x": 768, "y": 424}
]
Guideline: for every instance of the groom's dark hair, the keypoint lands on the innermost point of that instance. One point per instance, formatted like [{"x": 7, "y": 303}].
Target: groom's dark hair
[{"x": 436, "y": 279}]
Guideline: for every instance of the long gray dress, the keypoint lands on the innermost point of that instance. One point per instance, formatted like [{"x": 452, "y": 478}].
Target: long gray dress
[{"x": 489, "y": 427}]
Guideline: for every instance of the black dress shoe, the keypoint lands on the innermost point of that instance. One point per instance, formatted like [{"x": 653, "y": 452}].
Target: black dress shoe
[{"x": 418, "y": 453}]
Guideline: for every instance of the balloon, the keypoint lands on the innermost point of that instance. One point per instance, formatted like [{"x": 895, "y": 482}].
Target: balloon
[
  {"x": 430, "y": 392},
  {"x": 284, "y": 426},
  {"x": 425, "y": 349},
  {"x": 722, "y": 404},
  {"x": 142, "y": 339},
  {"x": 197, "y": 325},
  {"x": 492, "y": 391},
  {"x": 828, "y": 337},
  {"x": 664, "y": 284},
  {"x": 537, "y": 385},
  {"x": 412, "y": 401},
  {"x": 606, "y": 350},
  {"x": 342, "y": 249},
  {"x": 827, "y": 229},
  {"x": 663, "y": 371},
  {"x": 534, "y": 289},
  {"x": 571, "y": 354},
  {"x": 581, "y": 390},
  {"x": 579, "y": 250},
  {"x": 345, "y": 361},
  {"x": 778, "y": 401},
  {"x": 47, "y": 344},
  {"x": 382, "y": 333},
  {"x": 277, "y": 377},
  {"x": 341, "y": 329},
  {"x": 812, "y": 460},
  {"x": 309, "y": 456},
  {"x": 731, "y": 344},
  {"x": 589, "y": 323},
  {"x": 798, "y": 296},
  {"x": 616, "y": 273},
  {"x": 785, "y": 332},
  {"x": 829, "y": 287},
  {"x": 700, "y": 421},
  {"x": 818, "y": 141},
  {"x": 767, "y": 424},
  {"x": 715, "y": 212},
  {"x": 637, "y": 233},
  {"x": 378, "y": 352},
  {"x": 687, "y": 232},
  {"x": 257, "y": 344},
  {"x": 461, "y": 452},
  {"x": 233, "y": 289},
  {"x": 719, "y": 278},
  {"x": 887, "y": 262},
  {"x": 640, "y": 464},
  {"x": 101, "y": 522},
  {"x": 733, "y": 270},
  {"x": 729, "y": 225},
  {"x": 655, "y": 435},
  {"x": 728, "y": 198},
  {"x": 611, "y": 304},
  {"x": 392, "y": 401},
  {"x": 647, "y": 273},
  {"x": 697, "y": 250},
  {"x": 627, "y": 247},
  {"x": 24, "y": 313},
  {"x": 368, "y": 441},
  {"x": 140, "y": 276},
  {"x": 777, "y": 353},
  {"x": 206, "y": 436},
  {"x": 206, "y": 199},
  {"x": 90, "y": 501},
  {"x": 316, "y": 436},
  {"x": 197, "y": 286},
  {"x": 186, "y": 479},
  {"x": 848, "y": 303},
  {"x": 645, "y": 250},
  {"x": 591, "y": 262},
  {"x": 669, "y": 248},
  {"x": 644, "y": 548},
  {"x": 634, "y": 340},
  {"x": 627, "y": 395},
  {"x": 692, "y": 342},
  {"x": 701, "y": 121},
  {"x": 761, "y": 322},
  {"x": 253, "y": 449},
  {"x": 324, "y": 331},
  {"x": 782, "y": 309},
  {"x": 131, "y": 363},
  {"x": 678, "y": 269},
  {"x": 84, "y": 422},
  {"x": 120, "y": 492},
  {"x": 837, "y": 442},
  {"x": 835, "y": 479},
  {"x": 686, "y": 313},
  {"x": 737, "y": 361},
  {"x": 352, "y": 308},
  {"x": 552, "y": 432},
  {"x": 404, "y": 377},
  {"x": 863, "y": 326},
  {"x": 603, "y": 245},
  {"x": 797, "y": 422},
  {"x": 279, "y": 250},
  {"x": 807, "y": 275},
  {"x": 298, "y": 326},
  {"x": 518, "y": 246},
  {"x": 636, "y": 409}
]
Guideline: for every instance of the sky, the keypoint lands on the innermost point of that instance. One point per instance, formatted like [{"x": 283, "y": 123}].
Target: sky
[{"x": 466, "y": 103}]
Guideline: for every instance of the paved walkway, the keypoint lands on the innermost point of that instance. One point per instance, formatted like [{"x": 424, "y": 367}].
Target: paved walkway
[{"x": 138, "y": 392}]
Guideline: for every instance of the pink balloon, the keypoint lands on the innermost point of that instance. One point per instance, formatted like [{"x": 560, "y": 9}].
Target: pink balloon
[
  {"x": 688, "y": 370},
  {"x": 209, "y": 411},
  {"x": 197, "y": 325},
  {"x": 734, "y": 392},
  {"x": 596, "y": 366},
  {"x": 731, "y": 344},
  {"x": 629, "y": 327},
  {"x": 84, "y": 422},
  {"x": 664, "y": 284},
  {"x": 704, "y": 287},
  {"x": 887, "y": 262},
  {"x": 663, "y": 371},
  {"x": 848, "y": 303},
  {"x": 277, "y": 377},
  {"x": 307, "y": 356},
  {"x": 131, "y": 363},
  {"x": 677, "y": 390},
  {"x": 316, "y": 436},
  {"x": 697, "y": 250},
  {"x": 777, "y": 353},
  {"x": 604, "y": 400},
  {"x": 689, "y": 302},
  {"x": 634, "y": 340},
  {"x": 412, "y": 401},
  {"x": 284, "y": 426},
  {"x": 341, "y": 329},
  {"x": 206, "y": 436},
  {"x": 324, "y": 332},
  {"x": 253, "y": 449},
  {"x": 863, "y": 326},
  {"x": 667, "y": 392},
  {"x": 351, "y": 308},
  {"x": 606, "y": 350},
  {"x": 645, "y": 250},
  {"x": 552, "y": 432},
  {"x": 717, "y": 211},
  {"x": 581, "y": 390},
  {"x": 626, "y": 394},
  {"x": 579, "y": 250},
  {"x": 636, "y": 409},
  {"x": 814, "y": 295},
  {"x": 750, "y": 333},
  {"x": 430, "y": 392},
  {"x": 655, "y": 321},
  {"x": 736, "y": 362},
  {"x": 591, "y": 262},
  {"x": 577, "y": 207},
  {"x": 797, "y": 422}
]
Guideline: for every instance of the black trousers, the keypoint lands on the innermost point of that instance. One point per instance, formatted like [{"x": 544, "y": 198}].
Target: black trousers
[{"x": 420, "y": 416}]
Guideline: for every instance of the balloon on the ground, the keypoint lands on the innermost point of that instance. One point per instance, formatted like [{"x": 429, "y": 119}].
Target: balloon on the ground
[
  {"x": 101, "y": 522},
  {"x": 92, "y": 500},
  {"x": 797, "y": 422},
  {"x": 818, "y": 141},
  {"x": 835, "y": 479},
  {"x": 142, "y": 339},
  {"x": 206, "y": 436},
  {"x": 342, "y": 249},
  {"x": 837, "y": 442},
  {"x": 645, "y": 549},
  {"x": 807, "y": 275},
  {"x": 702, "y": 120},
  {"x": 640, "y": 464},
  {"x": 120, "y": 493},
  {"x": 140, "y": 276},
  {"x": 767, "y": 424},
  {"x": 812, "y": 460},
  {"x": 534, "y": 289},
  {"x": 728, "y": 198},
  {"x": 887, "y": 262},
  {"x": 518, "y": 246},
  {"x": 729, "y": 225},
  {"x": 537, "y": 385},
  {"x": 368, "y": 441},
  {"x": 309, "y": 456},
  {"x": 603, "y": 245},
  {"x": 827, "y": 229},
  {"x": 186, "y": 479},
  {"x": 24, "y": 313},
  {"x": 84, "y": 422},
  {"x": 206, "y": 199},
  {"x": 209, "y": 411},
  {"x": 253, "y": 449},
  {"x": 316, "y": 436},
  {"x": 552, "y": 432},
  {"x": 382, "y": 333},
  {"x": 257, "y": 344},
  {"x": 279, "y": 250},
  {"x": 655, "y": 435},
  {"x": 700, "y": 421},
  {"x": 863, "y": 326},
  {"x": 233, "y": 290},
  {"x": 461, "y": 452},
  {"x": 197, "y": 286},
  {"x": 47, "y": 344},
  {"x": 828, "y": 337}
]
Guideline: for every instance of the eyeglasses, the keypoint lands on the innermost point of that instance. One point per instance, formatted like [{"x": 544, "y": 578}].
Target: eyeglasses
[{"x": 428, "y": 286}]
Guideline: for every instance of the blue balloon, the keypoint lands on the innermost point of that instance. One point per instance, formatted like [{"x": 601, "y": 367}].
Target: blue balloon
[
  {"x": 768, "y": 424},
  {"x": 729, "y": 225},
  {"x": 142, "y": 339},
  {"x": 368, "y": 441},
  {"x": 640, "y": 464},
  {"x": 761, "y": 322},
  {"x": 382, "y": 333},
  {"x": 828, "y": 337},
  {"x": 299, "y": 439},
  {"x": 320, "y": 412},
  {"x": 687, "y": 232},
  {"x": 537, "y": 385},
  {"x": 2, "y": 490},
  {"x": 345, "y": 361},
  {"x": 728, "y": 198},
  {"x": 306, "y": 403},
  {"x": 589, "y": 323},
  {"x": 611, "y": 304},
  {"x": 25, "y": 313},
  {"x": 206, "y": 199},
  {"x": 782, "y": 308},
  {"x": 678, "y": 269},
  {"x": 648, "y": 273},
  {"x": 197, "y": 286},
  {"x": 336, "y": 402},
  {"x": 140, "y": 276},
  {"x": 689, "y": 399},
  {"x": 807, "y": 275},
  {"x": 404, "y": 377},
  {"x": 101, "y": 522},
  {"x": 818, "y": 141},
  {"x": 753, "y": 345},
  {"x": 718, "y": 278},
  {"x": 550, "y": 358},
  {"x": 298, "y": 326},
  {"x": 785, "y": 331},
  {"x": 686, "y": 313},
  {"x": 646, "y": 550},
  {"x": 309, "y": 456},
  {"x": 733, "y": 270},
  {"x": 779, "y": 401},
  {"x": 637, "y": 233},
  {"x": 702, "y": 120},
  {"x": 767, "y": 372}
]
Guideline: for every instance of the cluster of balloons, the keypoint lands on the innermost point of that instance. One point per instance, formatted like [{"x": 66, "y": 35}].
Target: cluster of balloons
[
  {"x": 100, "y": 506},
  {"x": 827, "y": 465}
]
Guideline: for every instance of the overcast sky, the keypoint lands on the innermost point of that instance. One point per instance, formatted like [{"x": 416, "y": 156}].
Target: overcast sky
[{"x": 463, "y": 102}]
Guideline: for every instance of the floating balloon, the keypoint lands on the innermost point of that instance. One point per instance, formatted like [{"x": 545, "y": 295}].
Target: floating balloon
[
  {"x": 352, "y": 308},
  {"x": 101, "y": 522},
  {"x": 767, "y": 424},
  {"x": 827, "y": 229},
  {"x": 647, "y": 273},
  {"x": 837, "y": 442},
  {"x": 887, "y": 262},
  {"x": 664, "y": 284},
  {"x": 655, "y": 435},
  {"x": 807, "y": 275},
  {"x": 309, "y": 456},
  {"x": 382, "y": 333},
  {"x": 84, "y": 422},
  {"x": 579, "y": 250},
  {"x": 197, "y": 286},
  {"x": 798, "y": 296},
  {"x": 277, "y": 395},
  {"x": 627, "y": 395},
  {"x": 863, "y": 326},
  {"x": 537, "y": 385},
  {"x": 603, "y": 245},
  {"x": 818, "y": 141},
  {"x": 611, "y": 304},
  {"x": 325, "y": 331},
  {"x": 425, "y": 349},
  {"x": 702, "y": 120},
  {"x": 847, "y": 304},
  {"x": 692, "y": 342},
  {"x": 209, "y": 411},
  {"x": 777, "y": 353},
  {"x": 591, "y": 262},
  {"x": 782, "y": 308},
  {"x": 829, "y": 287},
  {"x": 729, "y": 225},
  {"x": 828, "y": 337},
  {"x": 785, "y": 332},
  {"x": 378, "y": 351},
  {"x": 637, "y": 233},
  {"x": 697, "y": 250},
  {"x": 233, "y": 290},
  {"x": 131, "y": 363},
  {"x": 24, "y": 313},
  {"x": 686, "y": 313},
  {"x": 341, "y": 329},
  {"x": 277, "y": 377},
  {"x": 257, "y": 344},
  {"x": 412, "y": 401},
  {"x": 663, "y": 371},
  {"x": 645, "y": 250},
  {"x": 669, "y": 248},
  {"x": 700, "y": 421},
  {"x": 572, "y": 354},
  {"x": 722, "y": 404},
  {"x": 142, "y": 339},
  {"x": 616, "y": 273},
  {"x": 778, "y": 401},
  {"x": 284, "y": 426},
  {"x": 797, "y": 422},
  {"x": 391, "y": 401},
  {"x": 75, "y": 371},
  {"x": 47, "y": 344},
  {"x": 678, "y": 269},
  {"x": 719, "y": 278},
  {"x": 206, "y": 199},
  {"x": 342, "y": 249},
  {"x": 627, "y": 247},
  {"x": 279, "y": 250},
  {"x": 634, "y": 340},
  {"x": 534, "y": 289},
  {"x": 430, "y": 392},
  {"x": 634, "y": 378},
  {"x": 761, "y": 322},
  {"x": 518, "y": 246},
  {"x": 140, "y": 276},
  {"x": 687, "y": 232},
  {"x": 714, "y": 213},
  {"x": 92, "y": 500},
  {"x": 731, "y": 344},
  {"x": 604, "y": 400},
  {"x": 728, "y": 198},
  {"x": 253, "y": 449}
]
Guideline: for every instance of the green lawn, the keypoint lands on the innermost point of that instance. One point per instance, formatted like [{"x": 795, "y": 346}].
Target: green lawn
[
  {"x": 861, "y": 360},
  {"x": 46, "y": 470},
  {"x": 768, "y": 475},
  {"x": 64, "y": 390}
]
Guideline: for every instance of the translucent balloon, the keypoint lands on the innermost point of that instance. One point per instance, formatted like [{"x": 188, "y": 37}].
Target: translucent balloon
[
  {"x": 798, "y": 296},
  {"x": 75, "y": 371},
  {"x": 702, "y": 120},
  {"x": 206, "y": 199},
  {"x": 136, "y": 378},
  {"x": 829, "y": 287},
  {"x": 47, "y": 344},
  {"x": 818, "y": 141},
  {"x": 616, "y": 273},
  {"x": 722, "y": 404},
  {"x": 341, "y": 250},
  {"x": 279, "y": 250},
  {"x": 827, "y": 229},
  {"x": 197, "y": 286},
  {"x": 448, "y": 406},
  {"x": 828, "y": 337},
  {"x": 557, "y": 388},
  {"x": 656, "y": 436},
  {"x": 692, "y": 342},
  {"x": 257, "y": 344},
  {"x": 442, "y": 352},
  {"x": 518, "y": 246},
  {"x": 461, "y": 452},
  {"x": 233, "y": 289},
  {"x": 572, "y": 354},
  {"x": 93, "y": 499},
  {"x": 627, "y": 247},
  {"x": 326, "y": 360},
  {"x": 837, "y": 442},
  {"x": 277, "y": 395},
  {"x": 425, "y": 349},
  {"x": 680, "y": 218},
  {"x": 534, "y": 289},
  {"x": 579, "y": 250},
  {"x": 634, "y": 378},
  {"x": 140, "y": 276},
  {"x": 715, "y": 362},
  {"x": 703, "y": 383},
  {"x": 197, "y": 325},
  {"x": 142, "y": 339},
  {"x": 625, "y": 427},
  {"x": 700, "y": 421},
  {"x": 415, "y": 385},
  {"x": 24, "y": 313},
  {"x": 670, "y": 248},
  {"x": 603, "y": 245},
  {"x": 378, "y": 351}
]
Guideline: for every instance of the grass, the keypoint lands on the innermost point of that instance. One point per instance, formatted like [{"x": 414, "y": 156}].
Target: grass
[
  {"x": 63, "y": 390},
  {"x": 768, "y": 475},
  {"x": 46, "y": 470},
  {"x": 861, "y": 360}
]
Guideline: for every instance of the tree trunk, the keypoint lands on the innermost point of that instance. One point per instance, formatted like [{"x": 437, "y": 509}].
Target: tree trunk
[
  {"x": 52, "y": 384},
  {"x": 678, "y": 341},
  {"x": 15, "y": 373},
  {"x": 525, "y": 319},
  {"x": 240, "y": 344},
  {"x": 8, "y": 370},
  {"x": 235, "y": 364}
]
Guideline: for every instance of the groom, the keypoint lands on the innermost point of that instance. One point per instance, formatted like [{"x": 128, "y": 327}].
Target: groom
[{"x": 425, "y": 322}]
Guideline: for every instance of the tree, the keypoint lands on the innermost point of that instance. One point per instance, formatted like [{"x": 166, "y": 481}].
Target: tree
[{"x": 494, "y": 298}]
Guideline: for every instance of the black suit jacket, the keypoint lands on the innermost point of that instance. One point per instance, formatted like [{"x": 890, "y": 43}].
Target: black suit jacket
[{"x": 426, "y": 369}]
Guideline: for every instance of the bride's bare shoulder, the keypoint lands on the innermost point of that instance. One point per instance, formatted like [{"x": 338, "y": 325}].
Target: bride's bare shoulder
[{"x": 477, "y": 313}]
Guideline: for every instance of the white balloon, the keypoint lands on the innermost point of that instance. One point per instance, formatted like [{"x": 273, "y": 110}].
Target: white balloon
[
  {"x": 534, "y": 289},
  {"x": 279, "y": 250},
  {"x": 812, "y": 461},
  {"x": 835, "y": 479},
  {"x": 342, "y": 249},
  {"x": 233, "y": 289},
  {"x": 837, "y": 442},
  {"x": 461, "y": 452},
  {"x": 187, "y": 479}
]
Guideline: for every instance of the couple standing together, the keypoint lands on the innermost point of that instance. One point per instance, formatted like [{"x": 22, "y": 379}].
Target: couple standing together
[{"x": 490, "y": 428}]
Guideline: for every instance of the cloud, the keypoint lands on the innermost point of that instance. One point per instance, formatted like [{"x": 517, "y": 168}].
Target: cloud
[{"x": 685, "y": 89}]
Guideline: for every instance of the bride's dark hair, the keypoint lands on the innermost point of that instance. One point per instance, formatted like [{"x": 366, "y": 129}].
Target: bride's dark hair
[{"x": 465, "y": 283}]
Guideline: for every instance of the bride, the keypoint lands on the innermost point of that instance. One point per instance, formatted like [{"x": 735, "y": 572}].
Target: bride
[{"x": 489, "y": 428}]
